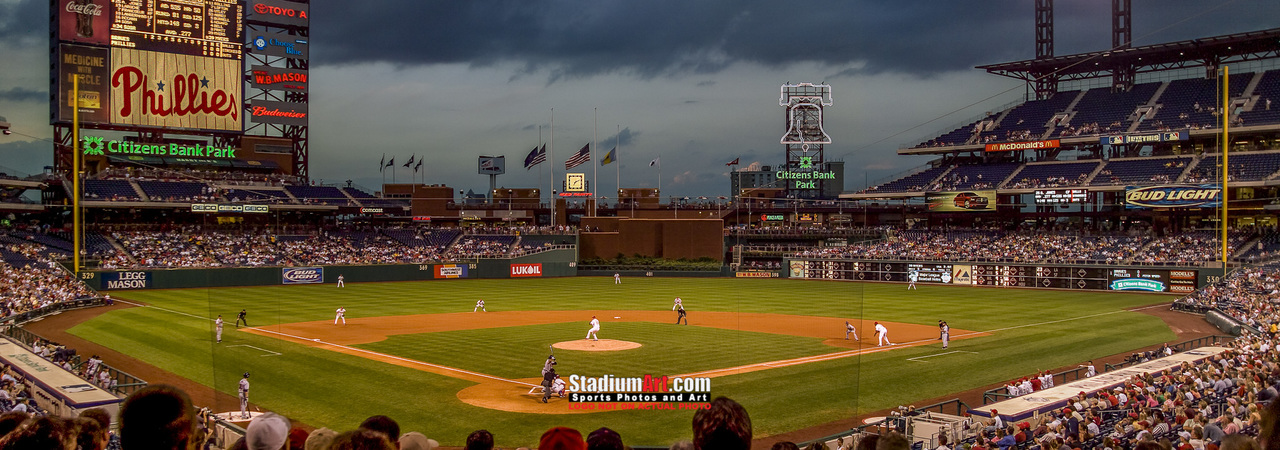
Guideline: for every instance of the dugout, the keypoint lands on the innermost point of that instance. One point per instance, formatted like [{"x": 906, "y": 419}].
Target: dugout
[{"x": 56, "y": 390}]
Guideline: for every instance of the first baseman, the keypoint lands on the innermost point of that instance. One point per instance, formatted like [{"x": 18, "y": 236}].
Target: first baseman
[
  {"x": 595, "y": 326},
  {"x": 849, "y": 329}
]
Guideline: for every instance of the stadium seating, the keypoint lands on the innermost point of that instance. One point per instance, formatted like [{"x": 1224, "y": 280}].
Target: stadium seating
[
  {"x": 110, "y": 190},
  {"x": 1030, "y": 120},
  {"x": 1245, "y": 166},
  {"x": 1268, "y": 90},
  {"x": 264, "y": 195},
  {"x": 176, "y": 191},
  {"x": 1189, "y": 103},
  {"x": 1141, "y": 171},
  {"x": 1105, "y": 108},
  {"x": 367, "y": 199},
  {"x": 976, "y": 176},
  {"x": 320, "y": 195},
  {"x": 916, "y": 182},
  {"x": 1052, "y": 175}
]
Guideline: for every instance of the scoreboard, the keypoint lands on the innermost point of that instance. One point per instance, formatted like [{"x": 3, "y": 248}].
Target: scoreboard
[
  {"x": 1055, "y": 196},
  {"x": 1010, "y": 275},
  {"x": 212, "y": 28}
]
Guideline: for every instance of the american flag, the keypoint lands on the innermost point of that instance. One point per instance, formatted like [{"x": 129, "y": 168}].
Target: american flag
[
  {"x": 537, "y": 156},
  {"x": 579, "y": 158}
]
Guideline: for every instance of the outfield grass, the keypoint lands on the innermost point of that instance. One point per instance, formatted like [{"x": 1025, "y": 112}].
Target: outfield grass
[{"x": 1033, "y": 330}]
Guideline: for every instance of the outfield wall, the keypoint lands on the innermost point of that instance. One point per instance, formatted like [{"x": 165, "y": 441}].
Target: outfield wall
[
  {"x": 1173, "y": 280},
  {"x": 551, "y": 263}
]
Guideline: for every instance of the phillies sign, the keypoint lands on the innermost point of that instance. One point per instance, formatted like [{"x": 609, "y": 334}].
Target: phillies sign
[
  {"x": 278, "y": 12},
  {"x": 174, "y": 91}
]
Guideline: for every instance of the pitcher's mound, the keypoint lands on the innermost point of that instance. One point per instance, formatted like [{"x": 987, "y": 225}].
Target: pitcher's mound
[{"x": 603, "y": 345}]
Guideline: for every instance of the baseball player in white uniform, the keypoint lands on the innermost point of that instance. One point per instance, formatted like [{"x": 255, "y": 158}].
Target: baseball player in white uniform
[
  {"x": 883, "y": 334},
  {"x": 217, "y": 328},
  {"x": 946, "y": 333},
  {"x": 244, "y": 396},
  {"x": 479, "y": 306},
  {"x": 617, "y": 278},
  {"x": 340, "y": 281},
  {"x": 342, "y": 315},
  {"x": 912, "y": 277},
  {"x": 595, "y": 326},
  {"x": 677, "y": 304},
  {"x": 848, "y": 328}
]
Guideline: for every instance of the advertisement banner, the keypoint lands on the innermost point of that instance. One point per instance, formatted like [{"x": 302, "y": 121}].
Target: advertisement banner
[
  {"x": 1165, "y": 136},
  {"x": 92, "y": 65},
  {"x": 1015, "y": 146},
  {"x": 526, "y": 270},
  {"x": 281, "y": 44},
  {"x": 966, "y": 201},
  {"x": 962, "y": 274},
  {"x": 451, "y": 271},
  {"x": 86, "y": 21},
  {"x": 755, "y": 274},
  {"x": 302, "y": 275},
  {"x": 282, "y": 113},
  {"x": 278, "y": 79},
  {"x": 278, "y": 12},
  {"x": 126, "y": 280},
  {"x": 99, "y": 146},
  {"x": 493, "y": 165},
  {"x": 174, "y": 91},
  {"x": 1172, "y": 196}
]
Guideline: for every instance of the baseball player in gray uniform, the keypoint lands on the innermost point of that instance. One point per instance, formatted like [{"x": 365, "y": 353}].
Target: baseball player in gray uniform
[
  {"x": 244, "y": 396},
  {"x": 217, "y": 327},
  {"x": 849, "y": 329}
]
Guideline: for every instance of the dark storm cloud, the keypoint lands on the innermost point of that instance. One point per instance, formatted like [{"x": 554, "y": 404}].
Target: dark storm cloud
[
  {"x": 664, "y": 37},
  {"x": 626, "y": 138},
  {"x": 21, "y": 94},
  {"x": 24, "y": 20}
]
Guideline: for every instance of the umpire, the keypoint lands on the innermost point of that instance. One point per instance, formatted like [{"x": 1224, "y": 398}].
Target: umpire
[
  {"x": 680, "y": 310},
  {"x": 548, "y": 377}
]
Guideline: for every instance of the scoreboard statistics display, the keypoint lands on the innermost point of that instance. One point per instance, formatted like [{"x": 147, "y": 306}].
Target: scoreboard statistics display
[
  {"x": 1010, "y": 275},
  {"x": 212, "y": 28},
  {"x": 1056, "y": 196}
]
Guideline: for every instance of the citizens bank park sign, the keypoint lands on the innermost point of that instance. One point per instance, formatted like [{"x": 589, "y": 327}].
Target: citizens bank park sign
[{"x": 1172, "y": 196}]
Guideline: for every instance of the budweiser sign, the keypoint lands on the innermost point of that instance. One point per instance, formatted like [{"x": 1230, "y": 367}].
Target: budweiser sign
[
  {"x": 283, "y": 113},
  {"x": 171, "y": 90}
]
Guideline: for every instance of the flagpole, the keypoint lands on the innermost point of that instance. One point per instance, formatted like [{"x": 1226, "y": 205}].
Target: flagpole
[
  {"x": 617, "y": 142},
  {"x": 659, "y": 174},
  {"x": 535, "y": 151},
  {"x": 595, "y": 139},
  {"x": 551, "y": 156}
]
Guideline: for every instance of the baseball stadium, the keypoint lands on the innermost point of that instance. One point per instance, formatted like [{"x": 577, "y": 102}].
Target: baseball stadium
[{"x": 1093, "y": 266}]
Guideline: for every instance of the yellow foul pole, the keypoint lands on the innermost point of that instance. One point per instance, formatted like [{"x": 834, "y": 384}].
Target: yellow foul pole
[
  {"x": 75, "y": 174},
  {"x": 1226, "y": 168}
]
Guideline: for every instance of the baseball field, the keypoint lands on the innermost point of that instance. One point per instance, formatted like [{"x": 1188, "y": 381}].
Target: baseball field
[{"x": 416, "y": 352}]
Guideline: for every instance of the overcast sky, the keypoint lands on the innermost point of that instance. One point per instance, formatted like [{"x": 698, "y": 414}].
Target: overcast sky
[{"x": 694, "y": 82}]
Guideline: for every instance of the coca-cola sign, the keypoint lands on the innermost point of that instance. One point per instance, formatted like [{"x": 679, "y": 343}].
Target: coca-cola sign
[
  {"x": 279, "y": 12},
  {"x": 174, "y": 91},
  {"x": 86, "y": 21}
]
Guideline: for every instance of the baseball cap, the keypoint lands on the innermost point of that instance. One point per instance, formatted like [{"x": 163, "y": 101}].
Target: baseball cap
[
  {"x": 562, "y": 438},
  {"x": 414, "y": 440},
  {"x": 604, "y": 439},
  {"x": 320, "y": 439},
  {"x": 267, "y": 432}
]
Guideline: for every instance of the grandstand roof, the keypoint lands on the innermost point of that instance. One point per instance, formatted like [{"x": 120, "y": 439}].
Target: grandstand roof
[{"x": 1208, "y": 51}]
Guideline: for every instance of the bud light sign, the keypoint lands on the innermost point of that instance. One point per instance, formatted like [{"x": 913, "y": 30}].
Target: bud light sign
[{"x": 302, "y": 275}]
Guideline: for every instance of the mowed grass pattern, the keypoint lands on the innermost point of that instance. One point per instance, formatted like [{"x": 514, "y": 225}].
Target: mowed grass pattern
[{"x": 1033, "y": 330}]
